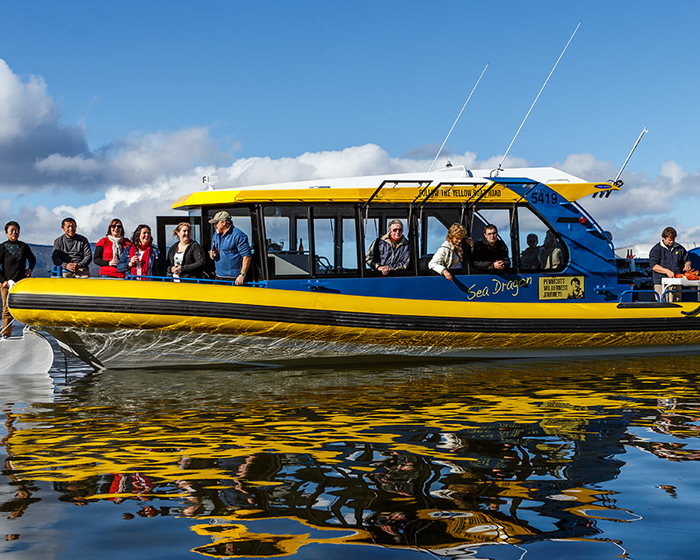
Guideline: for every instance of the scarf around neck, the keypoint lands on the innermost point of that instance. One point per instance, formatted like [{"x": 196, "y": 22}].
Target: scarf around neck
[{"x": 116, "y": 245}]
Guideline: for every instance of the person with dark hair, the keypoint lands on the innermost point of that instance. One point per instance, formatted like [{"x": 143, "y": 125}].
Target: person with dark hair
[
  {"x": 186, "y": 257},
  {"x": 16, "y": 262},
  {"x": 551, "y": 257},
  {"x": 490, "y": 253},
  {"x": 141, "y": 258},
  {"x": 576, "y": 289},
  {"x": 109, "y": 249},
  {"x": 390, "y": 252},
  {"x": 71, "y": 251},
  {"x": 667, "y": 258},
  {"x": 530, "y": 257}
]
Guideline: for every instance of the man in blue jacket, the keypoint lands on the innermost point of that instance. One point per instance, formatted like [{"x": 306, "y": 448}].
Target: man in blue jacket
[
  {"x": 667, "y": 258},
  {"x": 229, "y": 249}
]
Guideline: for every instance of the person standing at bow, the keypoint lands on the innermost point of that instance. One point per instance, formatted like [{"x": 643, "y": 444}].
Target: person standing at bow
[
  {"x": 186, "y": 257},
  {"x": 109, "y": 249},
  {"x": 142, "y": 257},
  {"x": 16, "y": 262},
  {"x": 71, "y": 251}
]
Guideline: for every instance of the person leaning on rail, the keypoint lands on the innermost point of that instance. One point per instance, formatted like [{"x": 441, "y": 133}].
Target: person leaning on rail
[
  {"x": 450, "y": 255},
  {"x": 390, "y": 252},
  {"x": 490, "y": 253},
  {"x": 71, "y": 251},
  {"x": 667, "y": 258}
]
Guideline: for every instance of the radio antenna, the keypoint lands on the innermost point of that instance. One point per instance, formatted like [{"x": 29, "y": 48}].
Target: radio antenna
[
  {"x": 500, "y": 165},
  {"x": 460, "y": 114},
  {"x": 617, "y": 179}
]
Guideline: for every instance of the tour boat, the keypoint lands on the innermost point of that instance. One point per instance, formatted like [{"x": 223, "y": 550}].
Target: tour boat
[{"x": 310, "y": 294}]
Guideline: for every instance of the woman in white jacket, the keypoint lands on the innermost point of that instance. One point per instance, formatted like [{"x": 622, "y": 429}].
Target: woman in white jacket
[{"x": 450, "y": 254}]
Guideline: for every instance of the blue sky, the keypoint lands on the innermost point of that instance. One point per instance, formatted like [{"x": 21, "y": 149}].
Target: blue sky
[{"x": 117, "y": 108}]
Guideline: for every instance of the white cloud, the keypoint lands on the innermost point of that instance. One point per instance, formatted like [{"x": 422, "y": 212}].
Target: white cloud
[
  {"x": 37, "y": 151},
  {"x": 134, "y": 160},
  {"x": 30, "y": 129}
]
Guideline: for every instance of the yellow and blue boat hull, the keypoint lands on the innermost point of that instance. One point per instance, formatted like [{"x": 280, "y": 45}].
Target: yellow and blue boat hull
[{"x": 127, "y": 324}]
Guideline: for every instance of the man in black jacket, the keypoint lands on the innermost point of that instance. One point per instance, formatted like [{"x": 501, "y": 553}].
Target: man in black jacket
[
  {"x": 16, "y": 262},
  {"x": 667, "y": 258},
  {"x": 490, "y": 253}
]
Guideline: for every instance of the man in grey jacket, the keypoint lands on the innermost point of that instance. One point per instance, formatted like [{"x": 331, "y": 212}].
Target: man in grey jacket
[{"x": 71, "y": 251}]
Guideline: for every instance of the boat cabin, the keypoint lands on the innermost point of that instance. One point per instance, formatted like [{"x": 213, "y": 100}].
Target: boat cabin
[{"x": 315, "y": 235}]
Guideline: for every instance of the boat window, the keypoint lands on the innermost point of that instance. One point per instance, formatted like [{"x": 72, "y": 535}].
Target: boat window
[
  {"x": 171, "y": 236},
  {"x": 241, "y": 219},
  {"x": 335, "y": 242},
  {"x": 287, "y": 238},
  {"x": 377, "y": 225},
  {"x": 540, "y": 247},
  {"x": 433, "y": 227}
]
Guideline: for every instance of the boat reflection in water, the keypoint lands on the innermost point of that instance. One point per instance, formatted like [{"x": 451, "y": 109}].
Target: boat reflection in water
[{"x": 444, "y": 459}]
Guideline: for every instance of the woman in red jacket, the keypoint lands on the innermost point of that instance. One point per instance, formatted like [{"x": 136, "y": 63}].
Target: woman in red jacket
[{"x": 109, "y": 249}]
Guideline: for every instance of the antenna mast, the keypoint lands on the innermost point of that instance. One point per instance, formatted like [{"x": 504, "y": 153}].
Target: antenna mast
[
  {"x": 500, "y": 165},
  {"x": 460, "y": 114},
  {"x": 615, "y": 182}
]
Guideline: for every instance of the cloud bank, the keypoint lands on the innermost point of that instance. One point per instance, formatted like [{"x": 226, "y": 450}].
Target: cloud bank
[{"x": 139, "y": 176}]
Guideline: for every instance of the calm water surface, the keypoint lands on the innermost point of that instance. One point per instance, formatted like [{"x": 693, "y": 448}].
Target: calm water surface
[{"x": 502, "y": 460}]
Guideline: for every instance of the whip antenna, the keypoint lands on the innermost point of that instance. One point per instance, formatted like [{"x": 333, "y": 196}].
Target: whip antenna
[
  {"x": 500, "y": 168},
  {"x": 630, "y": 155},
  {"x": 460, "y": 114}
]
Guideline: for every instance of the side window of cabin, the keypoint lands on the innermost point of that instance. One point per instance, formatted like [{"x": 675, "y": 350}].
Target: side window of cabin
[
  {"x": 541, "y": 250},
  {"x": 170, "y": 236},
  {"x": 241, "y": 219},
  {"x": 434, "y": 224},
  {"x": 499, "y": 217},
  {"x": 287, "y": 240},
  {"x": 378, "y": 251},
  {"x": 335, "y": 242}
]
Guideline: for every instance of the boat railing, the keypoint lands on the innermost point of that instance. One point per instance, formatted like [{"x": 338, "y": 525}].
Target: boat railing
[
  {"x": 210, "y": 281},
  {"x": 674, "y": 290},
  {"x": 636, "y": 292},
  {"x": 657, "y": 299},
  {"x": 56, "y": 272}
]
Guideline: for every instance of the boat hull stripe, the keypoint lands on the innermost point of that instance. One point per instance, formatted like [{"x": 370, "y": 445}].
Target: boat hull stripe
[{"x": 348, "y": 319}]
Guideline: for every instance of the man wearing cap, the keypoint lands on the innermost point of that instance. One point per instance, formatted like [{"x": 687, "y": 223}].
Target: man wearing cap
[{"x": 229, "y": 249}]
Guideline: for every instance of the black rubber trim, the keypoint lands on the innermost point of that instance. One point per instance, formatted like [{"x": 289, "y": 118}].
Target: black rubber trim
[{"x": 222, "y": 310}]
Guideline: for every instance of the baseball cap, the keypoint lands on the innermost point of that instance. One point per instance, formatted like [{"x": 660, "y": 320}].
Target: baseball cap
[{"x": 220, "y": 216}]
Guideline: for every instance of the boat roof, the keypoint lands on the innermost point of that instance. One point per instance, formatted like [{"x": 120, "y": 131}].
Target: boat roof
[{"x": 398, "y": 187}]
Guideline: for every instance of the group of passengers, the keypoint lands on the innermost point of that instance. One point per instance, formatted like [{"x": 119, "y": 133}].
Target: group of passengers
[
  {"x": 115, "y": 254},
  {"x": 391, "y": 251},
  {"x": 549, "y": 256},
  {"x": 119, "y": 256}
]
